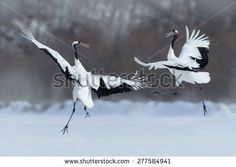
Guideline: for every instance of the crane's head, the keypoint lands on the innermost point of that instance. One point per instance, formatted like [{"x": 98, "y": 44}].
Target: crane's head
[
  {"x": 75, "y": 43},
  {"x": 172, "y": 33}
]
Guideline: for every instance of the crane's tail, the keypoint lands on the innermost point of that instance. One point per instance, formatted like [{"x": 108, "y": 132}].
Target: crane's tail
[
  {"x": 201, "y": 77},
  {"x": 141, "y": 82},
  {"x": 140, "y": 62},
  {"x": 25, "y": 31}
]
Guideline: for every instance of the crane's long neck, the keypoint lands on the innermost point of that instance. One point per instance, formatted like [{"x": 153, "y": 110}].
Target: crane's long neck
[
  {"x": 77, "y": 62},
  {"x": 76, "y": 55},
  {"x": 78, "y": 66},
  {"x": 173, "y": 40}
]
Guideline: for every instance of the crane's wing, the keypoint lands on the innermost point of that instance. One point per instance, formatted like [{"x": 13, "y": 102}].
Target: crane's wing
[
  {"x": 155, "y": 65},
  {"x": 164, "y": 65},
  {"x": 104, "y": 85},
  {"x": 195, "y": 49},
  {"x": 56, "y": 57}
]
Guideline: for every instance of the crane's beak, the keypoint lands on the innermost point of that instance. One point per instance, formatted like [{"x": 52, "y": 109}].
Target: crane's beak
[
  {"x": 85, "y": 45},
  {"x": 169, "y": 34}
]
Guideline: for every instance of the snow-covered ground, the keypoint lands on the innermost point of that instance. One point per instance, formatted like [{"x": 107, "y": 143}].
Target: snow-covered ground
[{"x": 121, "y": 128}]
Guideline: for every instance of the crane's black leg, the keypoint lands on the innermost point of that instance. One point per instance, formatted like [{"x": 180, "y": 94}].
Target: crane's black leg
[
  {"x": 203, "y": 102},
  {"x": 87, "y": 113},
  {"x": 65, "y": 129}
]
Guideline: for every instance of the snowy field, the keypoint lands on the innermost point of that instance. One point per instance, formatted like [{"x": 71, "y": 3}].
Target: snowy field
[{"x": 122, "y": 128}]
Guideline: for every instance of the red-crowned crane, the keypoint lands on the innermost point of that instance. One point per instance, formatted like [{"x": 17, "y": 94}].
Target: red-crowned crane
[
  {"x": 85, "y": 82},
  {"x": 189, "y": 65}
]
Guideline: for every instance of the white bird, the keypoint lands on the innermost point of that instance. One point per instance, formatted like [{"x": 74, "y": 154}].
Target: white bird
[
  {"x": 189, "y": 65},
  {"x": 85, "y": 82}
]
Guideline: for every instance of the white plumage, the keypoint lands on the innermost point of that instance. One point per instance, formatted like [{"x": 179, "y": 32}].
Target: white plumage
[
  {"x": 84, "y": 82},
  {"x": 188, "y": 66}
]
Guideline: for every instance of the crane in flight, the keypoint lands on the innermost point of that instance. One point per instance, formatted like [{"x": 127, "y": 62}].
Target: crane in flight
[
  {"x": 189, "y": 65},
  {"x": 85, "y": 82}
]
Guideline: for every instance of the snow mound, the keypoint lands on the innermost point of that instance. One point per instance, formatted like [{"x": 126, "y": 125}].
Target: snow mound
[{"x": 125, "y": 107}]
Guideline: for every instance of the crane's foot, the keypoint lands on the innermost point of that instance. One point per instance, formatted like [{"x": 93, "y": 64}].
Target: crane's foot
[
  {"x": 65, "y": 130},
  {"x": 87, "y": 115},
  {"x": 204, "y": 109}
]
